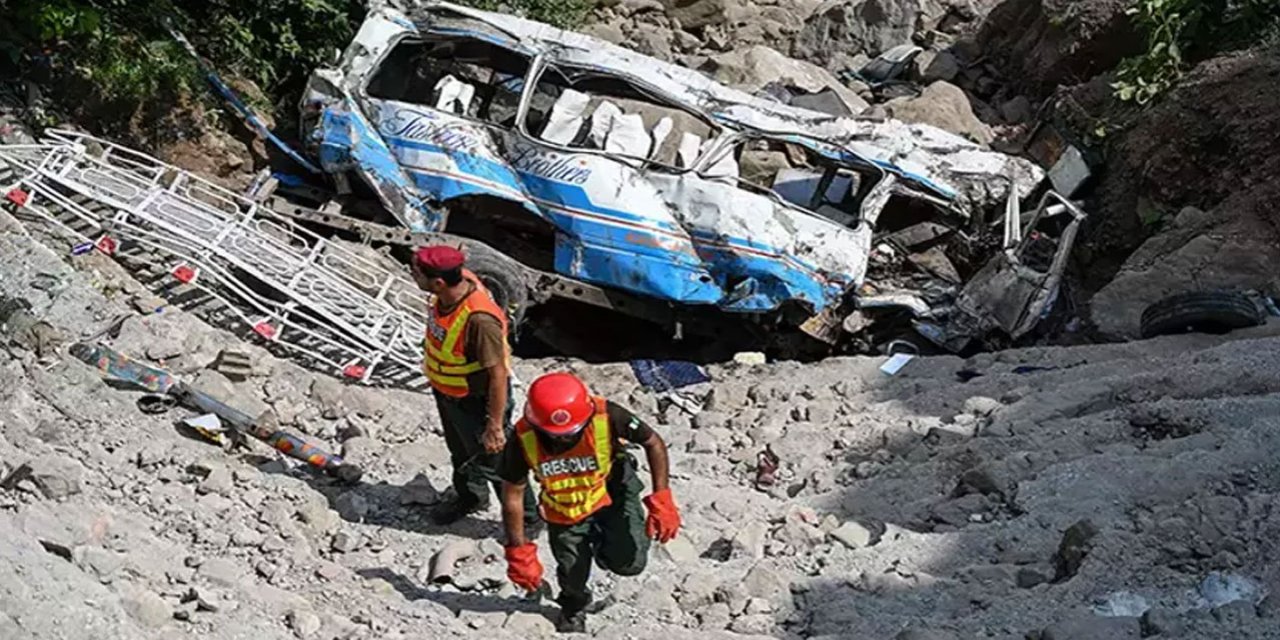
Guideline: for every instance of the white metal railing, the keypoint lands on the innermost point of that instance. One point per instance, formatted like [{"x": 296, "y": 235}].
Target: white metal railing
[{"x": 293, "y": 286}]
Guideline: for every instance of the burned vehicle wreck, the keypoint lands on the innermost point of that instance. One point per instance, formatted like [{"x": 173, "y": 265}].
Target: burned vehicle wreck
[{"x": 602, "y": 176}]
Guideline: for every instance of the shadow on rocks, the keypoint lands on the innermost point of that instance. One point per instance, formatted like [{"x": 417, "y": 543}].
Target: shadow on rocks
[
  {"x": 406, "y": 508},
  {"x": 458, "y": 602}
]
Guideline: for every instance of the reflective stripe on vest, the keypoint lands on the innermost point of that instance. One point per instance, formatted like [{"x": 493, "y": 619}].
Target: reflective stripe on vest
[
  {"x": 574, "y": 483},
  {"x": 445, "y": 361}
]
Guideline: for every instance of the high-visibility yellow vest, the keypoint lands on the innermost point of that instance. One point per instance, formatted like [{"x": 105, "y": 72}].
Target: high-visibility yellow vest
[
  {"x": 573, "y": 482},
  {"x": 445, "y": 363}
]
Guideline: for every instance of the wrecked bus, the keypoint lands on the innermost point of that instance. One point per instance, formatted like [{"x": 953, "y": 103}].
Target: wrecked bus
[{"x": 604, "y": 176}]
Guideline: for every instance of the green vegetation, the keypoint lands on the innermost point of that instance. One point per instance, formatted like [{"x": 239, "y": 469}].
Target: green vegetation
[
  {"x": 123, "y": 52},
  {"x": 118, "y": 53},
  {"x": 1181, "y": 32}
]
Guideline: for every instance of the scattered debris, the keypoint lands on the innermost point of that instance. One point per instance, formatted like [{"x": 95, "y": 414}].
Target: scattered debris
[
  {"x": 118, "y": 368},
  {"x": 444, "y": 560},
  {"x": 1068, "y": 170},
  {"x": 665, "y": 376},
  {"x": 235, "y": 365},
  {"x": 1202, "y": 311},
  {"x": 896, "y": 362},
  {"x": 767, "y": 468}
]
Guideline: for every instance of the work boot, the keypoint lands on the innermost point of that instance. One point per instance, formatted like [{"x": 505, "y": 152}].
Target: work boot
[
  {"x": 572, "y": 622},
  {"x": 451, "y": 511}
]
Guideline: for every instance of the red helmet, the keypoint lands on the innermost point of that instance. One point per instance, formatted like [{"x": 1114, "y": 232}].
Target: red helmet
[{"x": 558, "y": 404}]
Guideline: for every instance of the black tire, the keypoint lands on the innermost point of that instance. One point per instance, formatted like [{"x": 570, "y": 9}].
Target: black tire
[
  {"x": 1200, "y": 312},
  {"x": 502, "y": 276}
]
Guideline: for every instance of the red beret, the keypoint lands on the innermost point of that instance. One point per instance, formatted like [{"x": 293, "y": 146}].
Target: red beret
[{"x": 438, "y": 258}]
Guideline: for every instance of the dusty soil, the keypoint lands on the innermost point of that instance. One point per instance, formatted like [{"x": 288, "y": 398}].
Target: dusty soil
[{"x": 910, "y": 502}]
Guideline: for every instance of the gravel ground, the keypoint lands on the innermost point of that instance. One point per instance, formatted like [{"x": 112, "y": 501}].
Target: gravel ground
[{"x": 1106, "y": 491}]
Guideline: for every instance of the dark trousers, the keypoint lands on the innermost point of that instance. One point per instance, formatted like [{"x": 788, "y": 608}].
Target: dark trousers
[
  {"x": 614, "y": 537},
  {"x": 464, "y": 421}
]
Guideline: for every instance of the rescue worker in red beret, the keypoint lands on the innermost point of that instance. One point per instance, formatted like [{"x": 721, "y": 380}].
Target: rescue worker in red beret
[
  {"x": 468, "y": 363},
  {"x": 572, "y": 442}
]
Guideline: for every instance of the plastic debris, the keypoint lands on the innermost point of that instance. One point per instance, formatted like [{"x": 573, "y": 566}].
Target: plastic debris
[
  {"x": 895, "y": 363},
  {"x": 667, "y": 375},
  {"x": 210, "y": 427},
  {"x": 265, "y": 330},
  {"x": 107, "y": 245},
  {"x": 184, "y": 274},
  {"x": 1122, "y": 604},
  {"x": 767, "y": 463},
  {"x": 233, "y": 425},
  {"x": 1220, "y": 588},
  {"x": 17, "y": 197}
]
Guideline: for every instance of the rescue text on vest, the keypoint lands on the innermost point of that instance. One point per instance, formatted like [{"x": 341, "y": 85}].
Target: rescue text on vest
[{"x": 568, "y": 465}]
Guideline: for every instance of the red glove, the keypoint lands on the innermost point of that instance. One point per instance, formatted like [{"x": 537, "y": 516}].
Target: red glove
[
  {"x": 523, "y": 567},
  {"x": 664, "y": 519}
]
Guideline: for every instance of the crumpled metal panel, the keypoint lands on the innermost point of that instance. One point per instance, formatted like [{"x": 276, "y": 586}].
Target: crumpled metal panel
[{"x": 346, "y": 142}]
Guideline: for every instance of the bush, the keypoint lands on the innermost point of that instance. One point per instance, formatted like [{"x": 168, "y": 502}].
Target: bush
[
  {"x": 120, "y": 50},
  {"x": 1181, "y": 32}
]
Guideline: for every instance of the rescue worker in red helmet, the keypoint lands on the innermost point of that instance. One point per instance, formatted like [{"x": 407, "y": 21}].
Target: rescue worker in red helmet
[
  {"x": 468, "y": 362},
  {"x": 591, "y": 492}
]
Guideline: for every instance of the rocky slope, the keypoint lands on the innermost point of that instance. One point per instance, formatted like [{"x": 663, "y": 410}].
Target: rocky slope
[
  {"x": 1058, "y": 492},
  {"x": 1109, "y": 491}
]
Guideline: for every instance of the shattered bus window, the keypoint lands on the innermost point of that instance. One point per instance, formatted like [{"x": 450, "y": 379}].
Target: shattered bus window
[
  {"x": 585, "y": 109},
  {"x": 802, "y": 178},
  {"x": 464, "y": 76}
]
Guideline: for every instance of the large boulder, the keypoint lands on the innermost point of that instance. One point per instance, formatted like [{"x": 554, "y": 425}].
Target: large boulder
[
  {"x": 752, "y": 68},
  {"x": 696, "y": 14},
  {"x": 840, "y": 29},
  {"x": 1045, "y": 43},
  {"x": 945, "y": 106}
]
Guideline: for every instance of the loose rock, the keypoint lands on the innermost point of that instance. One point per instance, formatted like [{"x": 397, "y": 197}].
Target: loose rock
[
  {"x": 758, "y": 624},
  {"x": 1094, "y": 628},
  {"x": 925, "y": 634},
  {"x": 1028, "y": 578},
  {"x": 930, "y": 66},
  {"x": 149, "y": 609},
  {"x": 852, "y": 535},
  {"x": 1158, "y": 621},
  {"x": 55, "y": 476},
  {"x": 305, "y": 624},
  {"x": 220, "y": 572},
  {"x": 529, "y": 625},
  {"x": 352, "y": 506},
  {"x": 714, "y": 617},
  {"x": 1076, "y": 543},
  {"x": 945, "y": 106}
]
